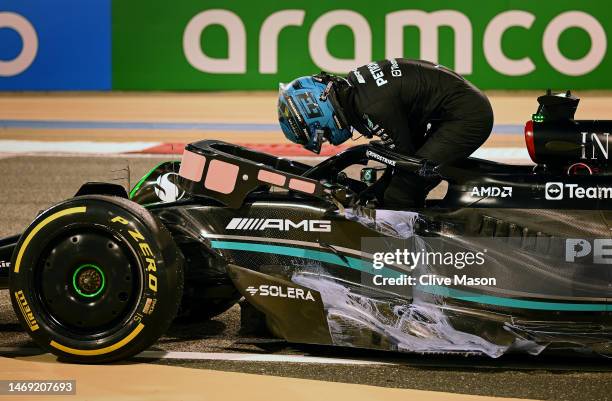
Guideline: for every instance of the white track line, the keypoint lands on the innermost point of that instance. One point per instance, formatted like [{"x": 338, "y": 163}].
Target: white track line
[
  {"x": 81, "y": 147},
  {"x": 491, "y": 153},
  {"x": 218, "y": 356}
]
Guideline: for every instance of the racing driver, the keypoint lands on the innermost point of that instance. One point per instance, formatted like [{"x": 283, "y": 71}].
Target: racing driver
[{"x": 416, "y": 108}]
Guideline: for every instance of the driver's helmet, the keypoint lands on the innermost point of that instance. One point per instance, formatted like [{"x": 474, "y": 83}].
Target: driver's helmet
[{"x": 309, "y": 113}]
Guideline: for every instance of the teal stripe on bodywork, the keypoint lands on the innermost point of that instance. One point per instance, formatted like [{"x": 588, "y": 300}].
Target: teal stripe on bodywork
[
  {"x": 510, "y": 302},
  {"x": 353, "y": 263},
  {"x": 366, "y": 267}
]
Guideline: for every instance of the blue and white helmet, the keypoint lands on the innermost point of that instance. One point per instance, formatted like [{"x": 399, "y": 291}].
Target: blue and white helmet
[{"x": 309, "y": 114}]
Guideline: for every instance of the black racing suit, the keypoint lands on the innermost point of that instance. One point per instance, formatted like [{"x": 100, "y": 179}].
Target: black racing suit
[{"x": 418, "y": 109}]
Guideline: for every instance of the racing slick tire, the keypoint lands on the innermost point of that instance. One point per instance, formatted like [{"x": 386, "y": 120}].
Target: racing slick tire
[{"x": 96, "y": 279}]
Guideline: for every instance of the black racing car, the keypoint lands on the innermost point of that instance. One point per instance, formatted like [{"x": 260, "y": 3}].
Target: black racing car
[{"x": 512, "y": 258}]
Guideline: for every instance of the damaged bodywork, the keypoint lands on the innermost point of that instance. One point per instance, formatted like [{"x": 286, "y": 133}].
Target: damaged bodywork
[{"x": 289, "y": 242}]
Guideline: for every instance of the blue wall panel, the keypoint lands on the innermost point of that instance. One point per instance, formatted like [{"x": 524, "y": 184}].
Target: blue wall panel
[{"x": 74, "y": 44}]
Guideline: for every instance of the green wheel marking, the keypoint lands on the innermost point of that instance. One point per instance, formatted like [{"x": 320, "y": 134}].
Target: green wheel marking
[{"x": 76, "y": 287}]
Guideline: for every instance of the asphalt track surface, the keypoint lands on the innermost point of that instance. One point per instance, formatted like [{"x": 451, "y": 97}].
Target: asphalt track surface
[{"x": 30, "y": 184}]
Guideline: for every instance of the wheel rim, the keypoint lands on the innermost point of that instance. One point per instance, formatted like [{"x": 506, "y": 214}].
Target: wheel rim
[{"x": 88, "y": 282}]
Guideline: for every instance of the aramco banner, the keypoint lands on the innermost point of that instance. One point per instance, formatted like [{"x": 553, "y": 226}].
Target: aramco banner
[{"x": 242, "y": 45}]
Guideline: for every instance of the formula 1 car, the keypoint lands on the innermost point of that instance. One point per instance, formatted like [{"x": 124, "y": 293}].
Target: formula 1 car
[{"x": 512, "y": 258}]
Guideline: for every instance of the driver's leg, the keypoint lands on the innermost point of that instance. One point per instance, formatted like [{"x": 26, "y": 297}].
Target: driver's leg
[
  {"x": 451, "y": 141},
  {"x": 454, "y": 140},
  {"x": 466, "y": 130}
]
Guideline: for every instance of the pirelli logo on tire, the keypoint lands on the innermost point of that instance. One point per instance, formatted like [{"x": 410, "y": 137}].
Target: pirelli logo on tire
[{"x": 26, "y": 311}]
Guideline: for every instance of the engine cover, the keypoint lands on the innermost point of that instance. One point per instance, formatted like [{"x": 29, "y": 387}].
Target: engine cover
[{"x": 566, "y": 142}]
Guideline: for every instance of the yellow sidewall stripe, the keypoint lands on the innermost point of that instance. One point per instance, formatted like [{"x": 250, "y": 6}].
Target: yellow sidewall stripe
[
  {"x": 100, "y": 351},
  {"x": 55, "y": 216}
]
